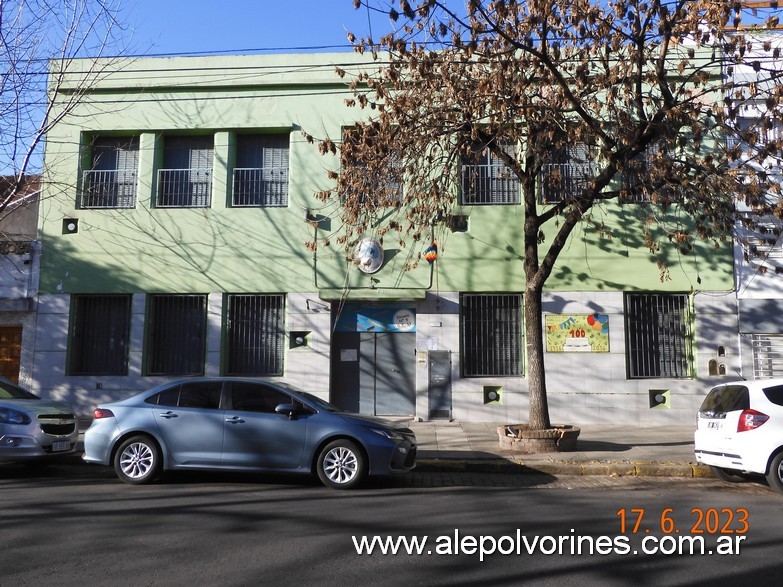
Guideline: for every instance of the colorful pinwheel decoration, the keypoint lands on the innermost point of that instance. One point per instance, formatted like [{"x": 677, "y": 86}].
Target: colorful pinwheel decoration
[{"x": 431, "y": 253}]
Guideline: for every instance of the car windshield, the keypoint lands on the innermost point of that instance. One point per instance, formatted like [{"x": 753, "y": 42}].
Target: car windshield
[{"x": 9, "y": 390}]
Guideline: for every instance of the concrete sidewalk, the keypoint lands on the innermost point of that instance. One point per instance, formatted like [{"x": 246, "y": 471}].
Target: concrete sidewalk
[{"x": 665, "y": 451}]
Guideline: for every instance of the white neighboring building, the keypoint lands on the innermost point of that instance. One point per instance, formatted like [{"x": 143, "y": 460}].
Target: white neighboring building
[{"x": 759, "y": 245}]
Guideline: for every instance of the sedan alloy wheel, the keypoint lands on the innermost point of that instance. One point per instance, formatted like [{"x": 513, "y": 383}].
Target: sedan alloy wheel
[
  {"x": 137, "y": 460},
  {"x": 341, "y": 465}
]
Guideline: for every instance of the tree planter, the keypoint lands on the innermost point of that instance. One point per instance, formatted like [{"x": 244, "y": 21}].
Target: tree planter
[{"x": 520, "y": 438}]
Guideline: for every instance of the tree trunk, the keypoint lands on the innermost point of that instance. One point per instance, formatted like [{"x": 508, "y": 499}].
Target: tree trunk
[{"x": 538, "y": 417}]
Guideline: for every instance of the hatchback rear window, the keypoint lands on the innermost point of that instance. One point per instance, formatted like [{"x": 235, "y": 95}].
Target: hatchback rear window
[
  {"x": 724, "y": 399},
  {"x": 774, "y": 394}
]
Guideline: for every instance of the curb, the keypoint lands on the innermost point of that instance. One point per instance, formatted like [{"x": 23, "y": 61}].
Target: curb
[{"x": 613, "y": 469}]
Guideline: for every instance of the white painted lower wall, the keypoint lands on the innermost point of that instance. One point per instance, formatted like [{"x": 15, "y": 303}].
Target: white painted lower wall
[{"x": 583, "y": 388}]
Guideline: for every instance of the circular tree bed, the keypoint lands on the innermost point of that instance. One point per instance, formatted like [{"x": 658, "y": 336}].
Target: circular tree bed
[{"x": 520, "y": 438}]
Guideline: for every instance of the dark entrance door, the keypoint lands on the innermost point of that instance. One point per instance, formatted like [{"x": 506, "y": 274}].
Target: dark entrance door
[
  {"x": 440, "y": 384},
  {"x": 10, "y": 352},
  {"x": 387, "y": 379},
  {"x": 373, "y": 372}
]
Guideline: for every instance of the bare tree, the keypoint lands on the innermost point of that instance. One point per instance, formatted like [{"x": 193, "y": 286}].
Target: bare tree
[
  {"x": 637, "y": 96},
  {"x": 39, "y": 39}
]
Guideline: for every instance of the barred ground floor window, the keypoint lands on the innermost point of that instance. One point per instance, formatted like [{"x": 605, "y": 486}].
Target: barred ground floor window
[
  {"x": 767, "y": 356},
  {"x": 255, "y": 334},
  {"x": 176, "y": 334},
  {"x": 99, "y": 335},
  {"x": 657, "y": 331},
  {"x": 491, "y": 332}
]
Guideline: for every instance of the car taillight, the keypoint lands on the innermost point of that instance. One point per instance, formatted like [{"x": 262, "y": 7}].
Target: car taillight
[
  {"x": 99, "y": 413},
  {"x": 750, "y": 420}
]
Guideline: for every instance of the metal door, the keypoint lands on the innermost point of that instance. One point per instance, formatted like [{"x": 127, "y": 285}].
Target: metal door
[
  {"x": 440, "y": 384},
  {"x": 10, "y": 352},
  {"x": 387, "y": 377}
]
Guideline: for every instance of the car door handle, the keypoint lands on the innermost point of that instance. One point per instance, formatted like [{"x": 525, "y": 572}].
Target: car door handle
[
  {"x": 168, "y": 415},
  {"x": 234, "y": 420}
]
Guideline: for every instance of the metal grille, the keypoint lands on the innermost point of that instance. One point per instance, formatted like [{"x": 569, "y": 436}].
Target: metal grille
[
  {"x": 176, "y": 340},
  {"x": 761, "y": 241},
  {"x": 491, "y": 334},
  {"x": 261, "y": 174},
  {"x": 568, "y": 174},
  {"x": 641, "y": 183},
  {"x": 561, "y": 181},
  {"x": 767, "y": 356},
  {"x": 111, "y": 182},
  {"x": 634, "y": 180},
  {"x": 186, "y": 178},
  {"x": 657, "y": 335},
  {"x": 255, "y": 334},
  {"x": 488, "y": 181},
  {"x": 100, "y": 330}
]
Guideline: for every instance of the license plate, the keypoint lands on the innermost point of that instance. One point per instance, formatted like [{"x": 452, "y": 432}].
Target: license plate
[
  {"x": 713, "y": 425},
  {"x": 61, "y": 445}
]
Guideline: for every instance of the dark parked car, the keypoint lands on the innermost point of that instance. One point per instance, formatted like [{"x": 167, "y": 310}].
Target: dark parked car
[
  {"x": 34, "y": 430},
  {"x": 243, "y": 425}
]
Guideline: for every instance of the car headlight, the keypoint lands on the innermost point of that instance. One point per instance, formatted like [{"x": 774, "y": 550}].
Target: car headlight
[
  {"x": 390, "y": 434},
  {"x": 9, "y": 416}
]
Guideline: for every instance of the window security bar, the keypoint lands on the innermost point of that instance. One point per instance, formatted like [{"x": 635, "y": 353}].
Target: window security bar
[
  {"x": 261, "y": 186},
  {"x": 561, "y": 181},
  {"x": 489, "y": 183},
  {"x": 108, "y": 189},
  {"x": 492, "y": 339},
  {"x": 255, "y": 334},
  {"x": 767, "y": 356},
  {"x": 184, "y": 188},
  {"x": 657, "y": 335}
]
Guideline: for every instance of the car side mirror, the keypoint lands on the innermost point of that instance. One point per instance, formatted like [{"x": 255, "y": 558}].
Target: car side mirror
[{"x": 287, "y": 410}]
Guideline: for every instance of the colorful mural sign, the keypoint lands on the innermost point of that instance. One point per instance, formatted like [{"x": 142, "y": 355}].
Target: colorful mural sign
[
  {"x": 586, "y": 333},
  {"x": 377, "y": 320}
]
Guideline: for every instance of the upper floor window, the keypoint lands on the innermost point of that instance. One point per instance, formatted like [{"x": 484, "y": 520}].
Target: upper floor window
[
  {"x": 568, "y": 173},
  {"x": 100, "y": 334},
  {"x": 375, "y": 180},
  {"x": 658, "y": 342},
  {"x": 185, "y": 181},
  {"x": 650, "y": 176},
  {"x": 486, "y": 179},
  {"x": 753, "y": 133},
  {"x": 261, "y": 172},
  {"x": 761, "y": 241},
  {"x": 110, "y": 182}
]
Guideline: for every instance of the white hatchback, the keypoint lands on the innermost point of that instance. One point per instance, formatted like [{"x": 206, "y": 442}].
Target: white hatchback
[{"x": 739, "y": 430}]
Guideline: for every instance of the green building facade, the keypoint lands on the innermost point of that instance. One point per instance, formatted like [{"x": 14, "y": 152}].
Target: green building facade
[{"x": 178, "y": 204}]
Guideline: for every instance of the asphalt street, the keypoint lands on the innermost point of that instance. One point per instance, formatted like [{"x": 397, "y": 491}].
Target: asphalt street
[{"x": 75, "y": 524}]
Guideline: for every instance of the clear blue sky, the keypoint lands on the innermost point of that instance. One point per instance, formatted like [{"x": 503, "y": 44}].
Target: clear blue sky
[{"x": 192, "y": 26}]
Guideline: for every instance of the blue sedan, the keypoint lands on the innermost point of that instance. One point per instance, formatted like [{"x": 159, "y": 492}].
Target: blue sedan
[{"x": 243, "y": 425}]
